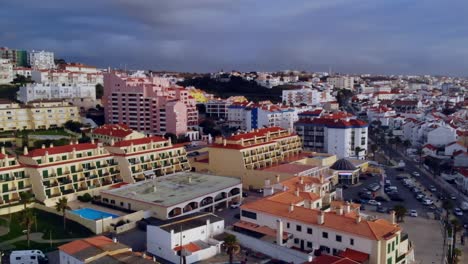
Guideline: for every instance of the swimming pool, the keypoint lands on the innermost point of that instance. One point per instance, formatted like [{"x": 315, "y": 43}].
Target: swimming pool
[{"x": 93, "y": 214}]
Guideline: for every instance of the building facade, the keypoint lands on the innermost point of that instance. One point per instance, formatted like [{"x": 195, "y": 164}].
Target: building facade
[
  {"x": 6, "y": 71},
  {"x": 342, "y": 82},
  {"x": 110, "y": 134},
  {"x": 148, "y": 104},
  {"x": 307, "y": 96},
  {"x": 36, "y": 115},
  {"x": 38, "y": 92},
  {"x": 41, "y": 60},
  {"x": 66, "y": 77},
  {"x": 14, "y": 180}
]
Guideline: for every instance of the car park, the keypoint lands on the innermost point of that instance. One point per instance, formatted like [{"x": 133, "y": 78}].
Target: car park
[
  {"x": 380, "y": 199},
  {"x": 413, "y": 213},
  {"x": 396, "y": 198},
  {"x": 457, "y": 211},
  {"x": 401, "y": 177}
]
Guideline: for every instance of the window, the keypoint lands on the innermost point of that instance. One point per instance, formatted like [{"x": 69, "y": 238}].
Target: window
[
  {"x": 388, "y": 247},
  {"x": 296, "y": 241},
  {"x": 351, "y": 242},
  {"x": 248, "y": 214},
  {"x": 309, "y": 230},
  {"x": 389, "y": 260},
  {"x": 338, "y": 238},
  {"x": 309, "y": 244},
  {"x": 121, "y": 204},
  {"x": 324, "y": 234},
  {"x": 298, "y": 228},
  {"x": 393, "y": 245},
  {"x": 287, "y": 225}
]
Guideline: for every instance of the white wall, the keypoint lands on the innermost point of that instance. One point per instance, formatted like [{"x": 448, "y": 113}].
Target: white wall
[{"x": 67, "y": 259}]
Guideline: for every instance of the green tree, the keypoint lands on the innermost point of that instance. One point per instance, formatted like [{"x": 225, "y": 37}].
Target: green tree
[
  {"x": 99, "y": 91},
  {"x": 456, "y": 255},
  {"x": 73, "y": 126},
  {"x": 400, "y": 212},
  {"x": 456, "y": 227},
  {"x": 231, "y": 246},
  {"x": 62, "y": 206},
  {"x": 27, "y": 219},
  {"x": 26, "y": 198}
]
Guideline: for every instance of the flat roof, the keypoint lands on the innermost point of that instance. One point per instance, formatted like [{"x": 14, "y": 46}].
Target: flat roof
[
  {"x": 174, "y": 189},
  {"x": 190, "y": 222},
  {"x": 292, "y": 168}
]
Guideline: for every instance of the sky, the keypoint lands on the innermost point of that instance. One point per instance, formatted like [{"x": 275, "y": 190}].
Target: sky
[{"x": 350, "y": 36}]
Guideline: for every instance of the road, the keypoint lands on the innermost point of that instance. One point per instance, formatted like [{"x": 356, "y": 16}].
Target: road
[{"x": 425, "y": 179}]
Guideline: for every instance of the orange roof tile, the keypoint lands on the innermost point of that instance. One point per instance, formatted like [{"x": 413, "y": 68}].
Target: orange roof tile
[
  {"x": 329, "y": 259},
  {"x": 189, "y": 247},
  {"x": 61, "y": 149},
  {"x": 355, "y": 255},
  {"x": 78, "y": 245},
  {"x": 259, "y": 133},
  {"x": 139, "y": 141}
]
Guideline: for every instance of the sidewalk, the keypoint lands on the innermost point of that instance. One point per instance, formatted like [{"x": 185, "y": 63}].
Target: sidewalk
[{"x": 35, "y": 237}]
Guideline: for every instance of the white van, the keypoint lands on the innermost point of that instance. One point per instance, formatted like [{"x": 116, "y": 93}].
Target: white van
[{"x": 28, "y": 257}]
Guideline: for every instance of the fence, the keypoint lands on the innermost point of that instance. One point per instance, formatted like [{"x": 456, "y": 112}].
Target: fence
[{"x": 272, "y": 250}]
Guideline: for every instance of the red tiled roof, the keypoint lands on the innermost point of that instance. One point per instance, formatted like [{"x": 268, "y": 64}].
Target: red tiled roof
[
  {"x": 139, "y": 141},
  {"x": 463, "y": 171},
  {"x": 355, "y": 255},
  {"x": 461, "y": 133},
  {"x": 118, "y": 185},
  {"x": 79, "y": 245},
  {"x": 429, "y": 146},
  {"x": 329, "y": 259},
  {"x": 239, "y": 146},
  {"x": 115, "y": 130},
  {"x": 61, "y": 149},
  {"x": 189, "y": 247},
  {"x": 334, "y": 123},
  {"x": 259, "y": 133}
]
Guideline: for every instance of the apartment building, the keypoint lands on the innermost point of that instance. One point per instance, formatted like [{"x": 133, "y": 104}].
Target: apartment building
[
  {"x": 109, "y": 134},
  {"x": 148, "y": 104},
  {"x": 17, "y": 57},
  {"x": 148, "y": 157},
  {"x": 290, "y": 216},
  {"x": 70, "y": 170},
  {"x": 307, "y": 96},
  {"x": 26, "y": 72},
  {"x": 66, "y": 77},
  {"x": 36, "y": 115},
  {"x": 13, "y": 180},
  {"x": 339, "y": 134},
  {"x": 78, "y": 67},
  {"x": 6, "y": 71},
  {"x": 39, "y": 91},
  {"x": 342, "y": 82},
  {"x": 41, "y": 60}
]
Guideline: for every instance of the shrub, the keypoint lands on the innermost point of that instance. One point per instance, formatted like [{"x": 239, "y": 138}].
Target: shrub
[{"x": 86, "y": 198}]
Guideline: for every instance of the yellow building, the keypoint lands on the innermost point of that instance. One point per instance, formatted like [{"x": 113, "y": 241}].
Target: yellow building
[
  {"x": 36, "y": 115},
  {"x": 13, "y": 180},
  {"x": 69, "y": 171},
  {"x": 200, "y": 96},
  {"x": 148, "y": 157}
]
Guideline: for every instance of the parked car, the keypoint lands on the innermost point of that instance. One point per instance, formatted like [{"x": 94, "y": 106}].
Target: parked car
[
  {"x": 420, "y": 196},
  {"x": 416, "y": 174},
  {"x": 457, "y": 211},
  {"x": 432, "y": 188},
  {"x": 374, "y": 202},
  {"x": 453, "y": 197},
  {"x": 382, "y": 209},
  {"x": 427, "y": 202},
  {"x": 413, "y": 213},
  {"x": 415, "y": 190},
  {"x": 401, "y": 177},
  {"x": 235, "y": 205}
]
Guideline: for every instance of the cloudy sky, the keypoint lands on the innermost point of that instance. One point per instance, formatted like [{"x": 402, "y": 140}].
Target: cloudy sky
[{"x": 359, "y": 36}]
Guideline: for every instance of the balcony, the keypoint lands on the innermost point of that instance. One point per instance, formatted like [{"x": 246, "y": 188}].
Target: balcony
[{"x": 404, "y": 236}]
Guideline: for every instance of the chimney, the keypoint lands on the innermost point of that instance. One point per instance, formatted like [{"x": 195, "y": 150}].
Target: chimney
[
  {"x": 297, "y": 192},
  {"x": 347, "y": 208},
  {"x": 322, "y": 179},
  {"x": 321, "y": 218},
  {"x": 154, "y": 259},
  {"x": 43, "y": 146},
  {"x": 3, "y": 150},
  {"x": 71, "y": 142},
  {"x": 285, "y": 188},
  {"x": 310, "y": 258},
  {"x": 393, "y": 217},
  {"x": 339, "y": 210},
  {"x": 154, "y": 188},
  {"x": 112, "y": 142},
  {"x": 301, "y": 180},
  {"x": 114, "y": 239},
  {"x": 277, "y": 178},
  {"x": 279, "y": 232},
  {"x": 224, "y": 142},
  {"x": 51, "y": 145},
  {"x": 358, "y": 219},
  {"x": 25, "y": 150},
  {"x": 267, "y": 183},
  {"x": 291, "y": 207},
  {"x": 92, "y": 141},
  {"x": 143, "y": 255}
]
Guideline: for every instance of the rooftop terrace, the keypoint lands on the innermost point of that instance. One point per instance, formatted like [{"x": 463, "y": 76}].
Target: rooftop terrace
[{"x": 175, "y": 188}]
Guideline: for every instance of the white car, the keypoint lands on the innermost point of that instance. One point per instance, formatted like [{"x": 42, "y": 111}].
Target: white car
[
  {"x": 235, "y": 205},
  {"x": 458, "y": 211},
  {"x": 413, "y": 213},
  {"x": 374, "y": 202},
  {"x": 427, "y": 202},
  {"x": 416, "y": 174}
]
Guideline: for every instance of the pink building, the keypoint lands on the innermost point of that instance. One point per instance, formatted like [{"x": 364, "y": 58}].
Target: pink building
[{"x": 148, "y": 104}]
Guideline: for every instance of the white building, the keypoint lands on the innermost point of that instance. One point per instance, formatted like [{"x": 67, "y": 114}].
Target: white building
[
  {"x": 335, "y": 134},
  {"x": 342, "y": 82},
  {"x": 441, "y": 136},
  {"x": 64, "y": 77},
  {"x": 41, "y": 60},
  {"x": 37, "y": 91},
  {"x": 6, "y": 71},
  {"x": 191, "y": 237},
  {"x": 306, "y": 96},
  {"x": 26, "y": 72},
  {"x": 217, "y": 108},
  {"x": 78, "y": 67}
]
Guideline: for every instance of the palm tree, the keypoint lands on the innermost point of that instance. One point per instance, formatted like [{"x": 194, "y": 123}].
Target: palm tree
[
  {"x": 27, "y": 218},
  {"x": 231, "y": 245},
  {"x": 62, "y": 206},
  {"x": 400, "y": 212},
  {"x": 448, "y": 206},
  {"x": 456, "y": 255},
  {"x": 26, "y": 198}
]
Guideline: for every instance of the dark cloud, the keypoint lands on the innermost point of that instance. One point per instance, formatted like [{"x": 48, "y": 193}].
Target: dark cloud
[{"x": 376, "y": 36}]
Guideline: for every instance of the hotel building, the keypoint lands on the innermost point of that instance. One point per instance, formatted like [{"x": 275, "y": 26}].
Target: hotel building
[
  {"x": 6, "y": 71},
  {"x": 148, "y": 104},
  {"x": 290, "y": 216},
  {"x": 36, "y": 115},
  {"x": 69, "y": 171},
  {"x": 38, "y": 92},
  {"x": 110, "y": 134},
  {"x": 13, "y": 180},
  {"x": 149, "y": 157}
]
